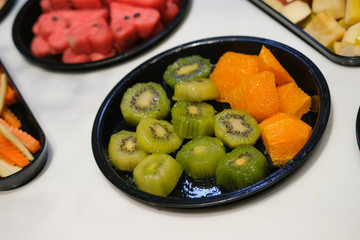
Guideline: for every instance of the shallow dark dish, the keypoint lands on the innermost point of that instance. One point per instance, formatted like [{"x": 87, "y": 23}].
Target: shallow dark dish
[
  {"x": 6, "y": 8},
  {"x": 22, "y": 36},
  {"x": 342, "y": 60},
  {"x": 31, "y": 126},
  {"x": 357, "y": 128},
  {"x": 195, "y": 194}
]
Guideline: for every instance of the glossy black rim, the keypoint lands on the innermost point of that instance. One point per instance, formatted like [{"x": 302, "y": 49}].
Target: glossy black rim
[
  {"x": 357, "y": 128},
  {"x": 342, "y": 60},
  {"x": 28, "y": 14},
  {"x": 100, "y": 151}
]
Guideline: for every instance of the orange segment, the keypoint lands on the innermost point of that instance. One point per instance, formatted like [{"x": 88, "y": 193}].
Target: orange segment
[
  {"x": 284, "y": 136},
  {"x": 293, "y": 99},
  {"x": 281, "y": 75},
  {"x": 257, "y": 94},
  {"x": 231, "y": 68}
]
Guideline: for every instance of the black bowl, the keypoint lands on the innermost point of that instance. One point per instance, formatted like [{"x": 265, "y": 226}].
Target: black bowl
[
  {"x": 342, "y": 60},
  {"x": 29, "y": 13},
  {"x": 357, "y": 128},
  {"x": 190, "y": 193},
  {"x": 31, "y": 126}
]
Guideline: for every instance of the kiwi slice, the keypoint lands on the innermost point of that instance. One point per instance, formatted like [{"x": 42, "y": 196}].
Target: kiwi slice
[
  {"x": 186, "y": 69},
  {"x": 193, "y": 119},
  {"x": 144, "y": 100},
  {"x": 236, "y": 127},
  {"x": 196, "y": 90},
  {"x": 123, "y": 151},
  {"x": 157, "y": 174},
  {"x": 200, "y": 156},
  {"x": 154, "y": 135},
  {"x": 242, "y": 167}
]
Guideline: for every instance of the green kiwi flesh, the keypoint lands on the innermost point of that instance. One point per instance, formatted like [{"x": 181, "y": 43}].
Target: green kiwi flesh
[
  {"x": 157, "y": 174},
  {"x": 154, "y": 135},
  {"x": 123, "y": 150},
  {"x": 242, "y": 167},
  {"x": 199, "y": 157},
  {"x": 236, "y": 127},
  {"x": 193, "y": 119},
  {"x": 144, "y": 100},
  {"x": 196, "y": 90},
  {"x": 187, "y": 69}
]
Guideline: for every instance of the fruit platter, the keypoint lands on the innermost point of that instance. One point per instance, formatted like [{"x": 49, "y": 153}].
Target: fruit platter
[
  {"x": 331, "y": 27},
  {"x": 72, "y": 36},
  {"x": 194, "y": 157},
  {"x": 23, "y": 151}
]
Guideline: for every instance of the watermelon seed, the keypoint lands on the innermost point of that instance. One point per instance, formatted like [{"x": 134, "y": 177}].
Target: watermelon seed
[
  {"x": 126, "y": 17},
  {"x": 137, "y": 15},
  {"x": 54, "y": 19}
]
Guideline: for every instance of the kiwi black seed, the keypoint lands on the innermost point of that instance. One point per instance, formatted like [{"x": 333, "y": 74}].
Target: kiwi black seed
[
  {"x": 158, "y": 174},
  {"x": 196, "y": 90},
  {"x": 144, "y": 100},
  {"x": 154, "y": 135},
  {"x": 193, "y": 119},
  {"x": 187, "y": 69},
  {"x": 236, "y": 127},
  {"x": 123, "y": 150},
  {"x": 240, "y": 168},
  {"x": 200, "y": 156}
]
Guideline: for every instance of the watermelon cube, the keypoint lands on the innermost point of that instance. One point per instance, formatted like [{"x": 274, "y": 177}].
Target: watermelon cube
[
  {"x": 70, "y": 57},
  {"x": 40, "y": 46}
]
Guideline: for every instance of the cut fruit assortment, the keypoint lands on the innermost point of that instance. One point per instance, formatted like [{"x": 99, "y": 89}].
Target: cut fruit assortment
[
  {"x": 17, "y": 147},
  {"x": 333, "y": 23},
  {"x": 82, "y": 31},
  {"x": 194, "y": 138}
]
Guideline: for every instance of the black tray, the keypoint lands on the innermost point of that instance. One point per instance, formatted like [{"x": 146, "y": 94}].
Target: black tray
[
  {"x": 31, "y": 126},
  {"x": 204, "y": 193},
  {"x": 22, "y": 36},
  {"x": 342, "y": 60}
]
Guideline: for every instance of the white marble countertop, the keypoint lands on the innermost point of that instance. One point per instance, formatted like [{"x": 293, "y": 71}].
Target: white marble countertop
[{"x": 71, "y": 198}]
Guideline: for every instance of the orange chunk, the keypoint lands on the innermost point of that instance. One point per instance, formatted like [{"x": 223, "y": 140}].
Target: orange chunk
[
  {"x": 257, "y": 94},
  {"x": 281, "y": 75},
  {"x": 231, "y": 68},
  {"x": 284, "y": 135},
  {"x": 293, "y": 99}
]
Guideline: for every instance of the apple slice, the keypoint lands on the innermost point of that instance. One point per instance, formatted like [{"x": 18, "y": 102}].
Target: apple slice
[
  {"x": 347, "y": 49},
  {"x": 352, "y": 12},
  {"x": 275, "y": 4},
  {"x": 296, "y": 11},
  {"x": 334, "y": 7},
  {"x": 352, "y": 34}
]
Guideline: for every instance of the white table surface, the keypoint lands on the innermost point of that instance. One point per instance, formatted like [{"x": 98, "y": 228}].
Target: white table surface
[{"x": 71, "y": 198}]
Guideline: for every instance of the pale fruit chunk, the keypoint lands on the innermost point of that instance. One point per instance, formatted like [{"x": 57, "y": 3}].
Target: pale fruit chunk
[
  {"x": 296, "y": 11},
  {"x": 352, "y": 12},
  {"x": 275, "y": 4},
  {"x": 352, "y": 34},
  {"x": 325, "y": 29},
  {"x": 347, "y": 49},
  {"x": 334, "y": 7}
]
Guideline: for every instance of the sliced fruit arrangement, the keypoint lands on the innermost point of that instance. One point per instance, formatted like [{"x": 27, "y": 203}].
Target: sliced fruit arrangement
[
  {"x": 82, "y": 31},
  {"x": 260, "y": 102},
  {"x": 333, "y": 23},
  {"x": 16, "y": 145}
]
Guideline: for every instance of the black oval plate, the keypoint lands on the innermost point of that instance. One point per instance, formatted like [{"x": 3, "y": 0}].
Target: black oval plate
[
  {"x": 342, "y": 60},
  {"x": 22, "y": 37},
  {"x": 190, "y": 193},
  {"x": 31, "y": 126}
]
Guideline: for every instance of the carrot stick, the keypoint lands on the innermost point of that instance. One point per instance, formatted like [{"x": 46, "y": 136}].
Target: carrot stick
[
  {"x": 29, "y": 141},
  {"x": 13, "y": 153},
  {"x": 10, "y": 96},
  {"x": 9, "y": 136},
  {"x": 3, "y": 87},
  {"x": 10, "y": 117}
]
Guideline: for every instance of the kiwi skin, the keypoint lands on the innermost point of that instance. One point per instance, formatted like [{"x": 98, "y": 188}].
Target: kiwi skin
[
  {"x": 240, "y": 168},
  {"x": 144, "y": 100},
  {"x": 123, "y": 151},
  {"x": 158, "y": 174}
]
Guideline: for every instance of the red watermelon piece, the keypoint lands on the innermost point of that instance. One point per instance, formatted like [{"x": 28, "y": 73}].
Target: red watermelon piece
[
  {"x": 45, "y": 5},
  {"x": 40, "y": 47},
  {"x": 160, "y": 5},
  {"x": 93, "y": 36},
  {"x": 70, "y": 57},
  {"x": 143, "y": 19},
  {"x": 95, "y": 56},
  {"x": 74, "y": 4},
  {"x": 50, "y": 22},
  {"x": 171, "y": 10},
  {"x": 57, "y": 41}
]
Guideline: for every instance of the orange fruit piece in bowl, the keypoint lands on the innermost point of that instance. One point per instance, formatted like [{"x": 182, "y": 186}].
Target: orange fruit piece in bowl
[
  {"x": 231, "y": 68},
  {"x": 281, "y": 75},
  {"x": 257, "y": 94},
  {"x": 293, "y": 99},
  {"x": 284, "y": 135}
]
